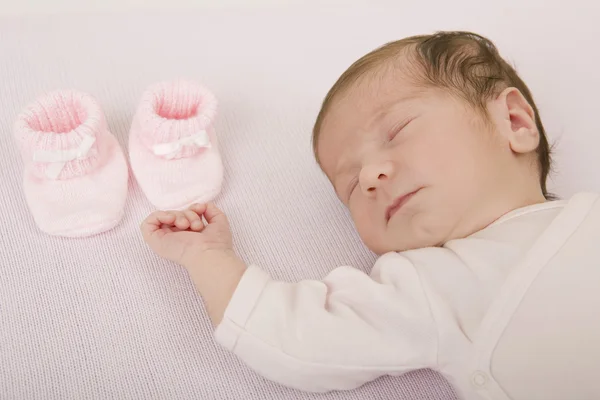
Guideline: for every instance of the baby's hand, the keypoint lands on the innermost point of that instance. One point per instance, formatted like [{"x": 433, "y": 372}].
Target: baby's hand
[
  {"x": 182, "y": 236},
  {"x": 205, "y": 250}
]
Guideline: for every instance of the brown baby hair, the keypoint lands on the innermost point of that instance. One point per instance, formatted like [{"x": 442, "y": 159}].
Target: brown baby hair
[{"x": 466, "y": 64}]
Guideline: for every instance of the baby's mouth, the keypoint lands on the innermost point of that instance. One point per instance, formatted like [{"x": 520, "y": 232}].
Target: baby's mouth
[{"x": 398, "y": 204}]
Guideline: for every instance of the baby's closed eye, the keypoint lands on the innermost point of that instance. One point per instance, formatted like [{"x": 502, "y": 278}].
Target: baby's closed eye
[
  {"x": 392, "y": 133},
  {"x": 351, "y": 186}
]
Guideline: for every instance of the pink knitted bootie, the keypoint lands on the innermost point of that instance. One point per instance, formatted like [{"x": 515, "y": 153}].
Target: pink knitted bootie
[
  {"x": 173, "y": 147},
  {"x": 75, "y": 178}
]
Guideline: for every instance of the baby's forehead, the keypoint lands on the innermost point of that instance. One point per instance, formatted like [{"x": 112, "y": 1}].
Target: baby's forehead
[
  {"x": 363, "y": 102},
  {"x": 369, "y": 99}
]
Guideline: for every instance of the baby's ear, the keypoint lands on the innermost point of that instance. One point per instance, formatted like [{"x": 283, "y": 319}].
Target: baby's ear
[{"x": 519, "y": 121}]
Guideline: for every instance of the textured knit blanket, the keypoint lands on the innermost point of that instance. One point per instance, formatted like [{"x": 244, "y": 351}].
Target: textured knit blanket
[{"x": 104, "y": 318}]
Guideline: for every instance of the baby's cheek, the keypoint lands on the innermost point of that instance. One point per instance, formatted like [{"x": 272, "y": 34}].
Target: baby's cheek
[{"x": 369, "y": 233}]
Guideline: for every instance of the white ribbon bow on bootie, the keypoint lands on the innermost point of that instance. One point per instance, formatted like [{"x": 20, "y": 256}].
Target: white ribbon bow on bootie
[
  {"x": 169, "y": 150},
  {"x": 59, "y": 158}
]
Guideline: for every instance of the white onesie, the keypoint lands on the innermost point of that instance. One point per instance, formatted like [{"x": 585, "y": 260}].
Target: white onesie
[{"x": 511, "y": 312}]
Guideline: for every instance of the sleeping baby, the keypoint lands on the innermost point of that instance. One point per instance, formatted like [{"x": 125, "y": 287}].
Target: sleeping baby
[{"x": 436, "y": 147}]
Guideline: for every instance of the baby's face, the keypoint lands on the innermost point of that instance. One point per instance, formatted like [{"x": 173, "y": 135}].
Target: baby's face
[{"x": 414, "y": 166}]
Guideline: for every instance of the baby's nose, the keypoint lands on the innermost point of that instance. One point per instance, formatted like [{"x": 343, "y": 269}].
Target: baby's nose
[{"x": 373, "y": 176}]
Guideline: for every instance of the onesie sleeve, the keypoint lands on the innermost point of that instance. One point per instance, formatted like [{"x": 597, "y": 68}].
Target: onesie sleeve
[{"x": 334, "y": 334}]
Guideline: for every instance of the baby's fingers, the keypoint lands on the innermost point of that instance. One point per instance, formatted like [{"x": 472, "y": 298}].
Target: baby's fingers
[
  {"x": 214, "y": 215},
  {"x": 154, "y": 222},
  {"x": 181, "y": 220},
  {"x": 157, "y": 218},
  {"x": 196, "y": 223},
  {"x": 198, "y": 208}
]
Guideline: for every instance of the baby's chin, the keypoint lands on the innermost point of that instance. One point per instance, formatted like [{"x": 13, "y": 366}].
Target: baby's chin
[
  {"x": 391, "y": 242},
  {"x": 419, "y": 233},
  {"x": 391, "y": 247}
]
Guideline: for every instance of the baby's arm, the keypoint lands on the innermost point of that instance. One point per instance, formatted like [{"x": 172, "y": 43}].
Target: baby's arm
[
  {"x": 334, "y": 334},
  {"x": 216, "y": 276}
]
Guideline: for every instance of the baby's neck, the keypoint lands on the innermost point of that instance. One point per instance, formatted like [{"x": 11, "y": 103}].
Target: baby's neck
[{"x": 503, "y": 204}]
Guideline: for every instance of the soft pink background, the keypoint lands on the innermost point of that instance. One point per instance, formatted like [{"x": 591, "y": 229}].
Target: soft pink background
[{"x": 103, "y": 317}]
